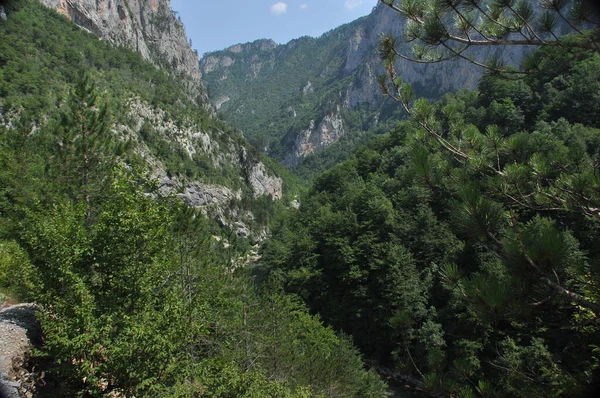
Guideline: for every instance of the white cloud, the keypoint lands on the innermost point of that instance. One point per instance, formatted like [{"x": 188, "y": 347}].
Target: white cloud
[
  {"x": 304, "y": 6},
  {"x": 352, "y": 4},
  {"x": 279, "y": 8}
]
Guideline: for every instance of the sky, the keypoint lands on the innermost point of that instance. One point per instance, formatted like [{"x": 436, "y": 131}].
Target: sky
[{"x": 217, "y": 24}]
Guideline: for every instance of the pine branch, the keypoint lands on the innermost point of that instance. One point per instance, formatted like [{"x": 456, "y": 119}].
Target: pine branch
[
  {"x": 577, "y": 298},
  {"x": 536, "y": 41},
  {"x": 482, "y": 65},
  {"x": 531, "y": 30},
  {"x": 463, "y": 18},
  {"x": 425, "y": 61}
]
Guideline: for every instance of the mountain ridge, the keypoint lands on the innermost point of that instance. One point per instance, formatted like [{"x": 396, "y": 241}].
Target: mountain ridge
[
  {"x": 162, "y": 111},
  {"x": 338, "y": 69},
  {"x": 150, "y": 28}
]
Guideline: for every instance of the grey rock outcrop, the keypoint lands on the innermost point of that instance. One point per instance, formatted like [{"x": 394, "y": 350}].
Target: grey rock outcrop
[
  {"x": 217, "y": 146},
  {"x": 316, "y": 137},
  {"x": 430, "y": 80},
  {"x": 19, "y": 331},
  {"x": 214, "y": 201},
  {"x": 219, "y": 62},
  {"x": 308, "y": 89},
  {"x": 149, "y": 27},
  {"x": 264, "y": 183},
  {"x": 260, "y": 45},
  {"x": 3, "y": 16},
  {"x": 218, "y": 202},
  {"x": 219, "y": 103},
  {"x": 197, "y": 194}
]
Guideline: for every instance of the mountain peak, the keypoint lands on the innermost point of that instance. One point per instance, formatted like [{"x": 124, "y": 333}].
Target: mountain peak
[{"x": 148, "y": 27}]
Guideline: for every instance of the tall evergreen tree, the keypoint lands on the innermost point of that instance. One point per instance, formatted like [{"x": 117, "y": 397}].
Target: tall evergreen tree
[{"x": 86, "y": 147}]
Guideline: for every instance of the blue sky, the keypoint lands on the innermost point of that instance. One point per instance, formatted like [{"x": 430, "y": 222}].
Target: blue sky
[{"x": 217, "y": 24}]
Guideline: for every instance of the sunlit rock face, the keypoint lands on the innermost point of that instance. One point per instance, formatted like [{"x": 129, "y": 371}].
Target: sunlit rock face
[
  {"x": 149, "y": 27},
  {"x": 219, "y": 149},
  {"x": 265, "y": 81},
  {"x": 316, "y": 137}
]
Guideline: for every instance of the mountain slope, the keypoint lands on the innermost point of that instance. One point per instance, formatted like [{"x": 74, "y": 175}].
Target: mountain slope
[
  {"x": 147, "y": 27},
  {"x": 170, "y": 126},
  {"x": 295, "y": 99},
  {"x": 137, "y": 293},
  {"x": 447, "y": 265}
]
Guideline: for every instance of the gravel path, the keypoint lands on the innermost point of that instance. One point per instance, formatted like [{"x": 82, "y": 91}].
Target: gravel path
[{"x": 19, "y": 329}]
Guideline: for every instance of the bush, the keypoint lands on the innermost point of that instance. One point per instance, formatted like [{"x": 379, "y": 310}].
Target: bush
[{"x": 18, "y": 278}]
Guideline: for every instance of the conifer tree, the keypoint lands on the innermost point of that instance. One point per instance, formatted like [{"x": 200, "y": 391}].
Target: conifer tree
[
  {"x": 86, "y": 146},
  {"x": 444, "y": 29},
  {"x": 440, "y": 30}
]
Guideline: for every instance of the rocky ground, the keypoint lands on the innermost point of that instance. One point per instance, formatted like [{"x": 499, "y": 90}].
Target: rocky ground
[{"x": 19, "y": 331}]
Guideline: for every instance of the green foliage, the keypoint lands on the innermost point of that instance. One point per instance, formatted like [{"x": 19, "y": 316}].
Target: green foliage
[
  {"x": 134, "y": 302},
  {"x": 350, "y": 264},
  {"x": 18, "y": 278},
  {"x": 270, "y": 99},
  {"x": 274, "y": 94},
  {"x": 467, "y": 257},
  {"x": 86, "y": 149},
  {"x": 137, "y": 297},
  {"x": 479, "y": 215},
  {"x": 42, "y": 55},
  {"x": 440, "y": 30}
]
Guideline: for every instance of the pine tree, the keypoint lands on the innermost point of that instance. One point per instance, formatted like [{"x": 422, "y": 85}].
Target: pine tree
[
  {"x": 440, "y": 30},
  {"x": 87, "y": 148}
]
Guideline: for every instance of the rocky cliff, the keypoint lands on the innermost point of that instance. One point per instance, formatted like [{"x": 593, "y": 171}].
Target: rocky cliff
[
  {"x": 147, "y": 26},
  {"x": 283, "y": 96},
  {"x": 190, "y": 153},
  {"x": 316, "y": 137},
  {"x": 213, "y": 149}
]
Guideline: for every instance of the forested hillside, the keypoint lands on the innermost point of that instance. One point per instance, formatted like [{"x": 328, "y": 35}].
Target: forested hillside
[
  {"x": 188, "y": 151},
  {"x": 451, "y": 242},
  {"x": 461, "y": 247},
  {"x": 295, "y": 100},
  {"x": 111, "y": 221}
]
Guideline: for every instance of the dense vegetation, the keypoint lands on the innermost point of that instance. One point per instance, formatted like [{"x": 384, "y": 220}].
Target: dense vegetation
[
  {"x": 274, "y": 92},
  {"x": 272, "y": 107},
  {"x": 459, "y": 247},
  {"x": 136, "y": 295},
  {"x": 41, "y": 54},
  {"x": 359, "y": 130},
  {"x": 468, "y": 259}
]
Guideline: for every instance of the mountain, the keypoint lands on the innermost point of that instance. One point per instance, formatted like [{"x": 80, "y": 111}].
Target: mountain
[
  {"x": 295, "y": 99},
  {"x": 160, "y": 107},
  {"x": 137, "y": 292},
  {"x": 147, "y": 27}
]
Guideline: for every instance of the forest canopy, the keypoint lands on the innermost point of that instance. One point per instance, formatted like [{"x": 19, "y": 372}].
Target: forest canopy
[
  {"x": 138, "y": 294},
  {"x": 461, "y": 246}
]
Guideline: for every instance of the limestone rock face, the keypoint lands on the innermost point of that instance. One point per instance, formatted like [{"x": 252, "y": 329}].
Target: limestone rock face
[
  {"x": 263, "y": 81},
  {"x": 263, "y": 183},
  {"x": 219, "y": 103},
  {"x": 316, "y": 137},
  {"x": 222, "y": 61},
  {"x": 430, "y": 80},
  {"x": 149, "y": 27},
  {"x": 219, "y": 149},
  {"x": 356, "y": 51}
]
